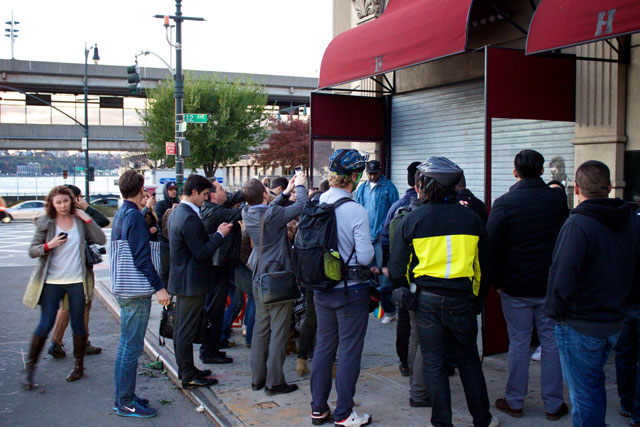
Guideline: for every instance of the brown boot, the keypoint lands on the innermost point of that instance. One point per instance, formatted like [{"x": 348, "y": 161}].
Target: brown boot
[
  {"x": 79, "y": 347},
  {"x": 37, "y": 344}
]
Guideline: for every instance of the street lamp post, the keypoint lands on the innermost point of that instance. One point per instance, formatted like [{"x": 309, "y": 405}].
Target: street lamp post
[{"x": 85, "y": 140}]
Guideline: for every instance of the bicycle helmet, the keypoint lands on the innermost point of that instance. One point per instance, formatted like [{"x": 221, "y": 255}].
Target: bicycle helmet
[
  {"x": 441, "y": 170},
  {"x": 346, "y": 161}
]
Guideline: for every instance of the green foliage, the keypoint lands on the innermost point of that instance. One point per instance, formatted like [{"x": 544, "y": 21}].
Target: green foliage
[{"x": 236, "y": 109}]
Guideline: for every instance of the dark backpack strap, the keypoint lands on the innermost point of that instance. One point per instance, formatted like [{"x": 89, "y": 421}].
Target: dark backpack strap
[{"x": 342, "y": 201}]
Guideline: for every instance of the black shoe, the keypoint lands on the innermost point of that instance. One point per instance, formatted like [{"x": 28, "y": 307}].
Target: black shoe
[
  {"x": 319, "y": 418},
  {"x": 281, "y": 389},
  {"x": 56, "y": 350},
  {"x": 216, "y": 360},
  {"x": 415, "y": 404},
  {"x": 92, "y": 349},
  {"x": 404, "y": 370},
  {"x": 204, "y": 373},
  {"x": 200, "y": 382},
  {"x": 256, "y": 387}
]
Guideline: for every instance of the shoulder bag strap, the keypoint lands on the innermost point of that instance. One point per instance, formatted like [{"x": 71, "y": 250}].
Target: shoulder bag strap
[{"x": 260, "y": 247}]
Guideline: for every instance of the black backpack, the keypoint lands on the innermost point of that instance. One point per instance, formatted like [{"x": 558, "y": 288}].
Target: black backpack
[{"x": 316, "y": 261}]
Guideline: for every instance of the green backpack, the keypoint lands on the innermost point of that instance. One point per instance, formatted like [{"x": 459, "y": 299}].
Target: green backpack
[{"x": 395, "y": 222}]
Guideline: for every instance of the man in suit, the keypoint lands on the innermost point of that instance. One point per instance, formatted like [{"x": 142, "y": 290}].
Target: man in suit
[
  {"x": 214, "y": 212},
  {"x": 190, "y": 274}
]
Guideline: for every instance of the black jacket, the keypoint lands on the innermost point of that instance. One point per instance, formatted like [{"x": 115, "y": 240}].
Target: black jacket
[
  {"x": 191, "y": 250},
  {"x": 522, "y": 228},
  {"x": 442, "y": 248},
  {"x": 469, "y": 200},
  {"x": 162, "y": 206},
  {"x": 212, "y": 216},
  {"x": 97, "y": 216},
  {"x": 594, "y": 262}
]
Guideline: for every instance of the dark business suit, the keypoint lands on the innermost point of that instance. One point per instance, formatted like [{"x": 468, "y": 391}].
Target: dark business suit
[{"x": 189, "y": 280}]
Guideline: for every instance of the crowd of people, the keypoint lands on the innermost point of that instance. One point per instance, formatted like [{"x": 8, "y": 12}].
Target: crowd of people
[{"x": 431, "y": 257}]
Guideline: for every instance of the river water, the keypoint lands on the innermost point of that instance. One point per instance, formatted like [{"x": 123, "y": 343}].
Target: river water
[{"x": 40, "y": 186}]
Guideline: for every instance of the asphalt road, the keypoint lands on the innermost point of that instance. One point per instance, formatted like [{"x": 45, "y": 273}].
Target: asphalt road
[{"x": 55, "y": 402}]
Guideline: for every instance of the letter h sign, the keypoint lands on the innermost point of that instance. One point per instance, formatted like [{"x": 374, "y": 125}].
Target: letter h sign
[{"x": 607, "y": 23}]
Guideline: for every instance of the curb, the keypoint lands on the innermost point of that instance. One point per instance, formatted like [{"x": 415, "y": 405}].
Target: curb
[{"x": 158, "y": 353}]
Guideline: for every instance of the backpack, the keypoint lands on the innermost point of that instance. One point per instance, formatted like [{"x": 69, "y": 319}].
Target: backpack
[
  {"x": 395, "y": 222},
  {"x": 315, "y": 259}
]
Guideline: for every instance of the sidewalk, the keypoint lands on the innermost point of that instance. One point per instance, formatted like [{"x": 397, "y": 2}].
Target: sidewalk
[
  {"x": 382, "y": 391},
  {"x": 87, "y": 402}
]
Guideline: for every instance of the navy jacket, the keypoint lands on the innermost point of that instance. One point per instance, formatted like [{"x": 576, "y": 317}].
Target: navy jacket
[
  {"x": 522, "y": 228},
  {"x": 129, "y": 225},
  {"x": 594, "y": 262},
  {"x": 404, "y": 201},
  {"x": 191, "y": 272}
]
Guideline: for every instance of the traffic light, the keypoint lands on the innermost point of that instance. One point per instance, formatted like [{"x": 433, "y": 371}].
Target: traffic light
[
  {"x": 91, "y": 174},
  {"x": 133, "y": 76},
  {"x": 65, "y": 174}
]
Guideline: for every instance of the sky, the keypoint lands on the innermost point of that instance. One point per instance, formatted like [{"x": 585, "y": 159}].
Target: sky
[{"x": 281, "y": 37}]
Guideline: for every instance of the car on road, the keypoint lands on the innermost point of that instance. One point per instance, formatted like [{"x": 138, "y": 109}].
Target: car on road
[
  {"x": 105, "y": 201},
  {"x": 28, "y": 210}
]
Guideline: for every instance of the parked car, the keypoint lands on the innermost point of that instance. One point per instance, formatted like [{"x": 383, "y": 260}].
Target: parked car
[
  {"x": 28, "y": 210},
  {"x": 105, "y": 201}
]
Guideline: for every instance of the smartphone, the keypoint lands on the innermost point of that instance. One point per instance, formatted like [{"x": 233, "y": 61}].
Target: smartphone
[
  {"x": 298, "y": 170},
  {"x": 63, "y": 234}
]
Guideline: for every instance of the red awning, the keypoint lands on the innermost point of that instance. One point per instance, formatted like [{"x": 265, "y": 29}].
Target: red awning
[
  {"x": 409, "y": 32},
  {"x": 558, "y": 24}
]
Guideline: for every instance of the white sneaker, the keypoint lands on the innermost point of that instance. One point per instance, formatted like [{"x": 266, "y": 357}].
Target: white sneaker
[
  {"x": 536, "y": 354},
  {"x": 388, "y": 318},
  {"x": 355, "y": 420}
]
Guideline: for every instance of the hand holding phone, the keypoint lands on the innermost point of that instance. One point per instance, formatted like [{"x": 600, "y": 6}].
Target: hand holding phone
[{"x": 59, "y": 240}]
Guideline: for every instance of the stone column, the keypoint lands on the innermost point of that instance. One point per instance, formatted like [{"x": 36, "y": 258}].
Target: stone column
[{"x": 601, "y": 89}]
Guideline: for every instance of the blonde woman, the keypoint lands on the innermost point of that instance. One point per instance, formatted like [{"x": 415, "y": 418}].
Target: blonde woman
[{"x": 59, "y": 245}]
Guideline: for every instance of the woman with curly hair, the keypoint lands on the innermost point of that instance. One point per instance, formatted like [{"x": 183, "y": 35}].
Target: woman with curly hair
[{"x": 59, "y": 245}]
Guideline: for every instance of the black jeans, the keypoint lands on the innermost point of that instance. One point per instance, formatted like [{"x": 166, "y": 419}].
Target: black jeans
[
  {"x": 403, "y": 332},
  {"x": 448, "y": 325},
  {"x": 214, "y": 304},
  {"x": 627, "y": 359},
  {"x": 308, "y": 329}
]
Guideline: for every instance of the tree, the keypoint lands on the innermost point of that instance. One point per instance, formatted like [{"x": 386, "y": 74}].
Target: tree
[
  {"x": 236, "y": 109},
  {"x": 287, "y": 146}
]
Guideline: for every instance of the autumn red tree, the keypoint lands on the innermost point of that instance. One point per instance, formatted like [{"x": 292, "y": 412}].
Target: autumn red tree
[{"x": 287, "y": 145}]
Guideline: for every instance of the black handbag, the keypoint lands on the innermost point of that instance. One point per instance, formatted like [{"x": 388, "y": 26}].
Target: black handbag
[
  {"x": 93, "y": 253},
  {"x": 168, "y": 321},
  {"x": 277, "y": 286}
]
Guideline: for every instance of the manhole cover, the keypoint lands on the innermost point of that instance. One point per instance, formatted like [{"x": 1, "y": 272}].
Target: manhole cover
[{"x": 267, "y": 405}]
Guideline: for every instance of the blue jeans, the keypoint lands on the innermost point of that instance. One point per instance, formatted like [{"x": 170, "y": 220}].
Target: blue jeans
[
  {"x": 134, "y": 317},
  {"x": 583, "y": 358},
  {"x": 231, "y": 312},
  {"x": 627, "y": 359},
  {"x": 448, "y": 325},
  {"x": 385, "y": 287},
  {"x": 50, "y": 303},
  {"x": 340, "y": 328},
  {"x": 249, "y": 317}
]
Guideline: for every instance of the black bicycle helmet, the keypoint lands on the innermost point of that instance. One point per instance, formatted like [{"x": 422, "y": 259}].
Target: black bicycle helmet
[{"x": 441, "y": 170}]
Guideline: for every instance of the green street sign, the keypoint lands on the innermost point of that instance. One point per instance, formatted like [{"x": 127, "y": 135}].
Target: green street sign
[{"x": 196, "y": 118}]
